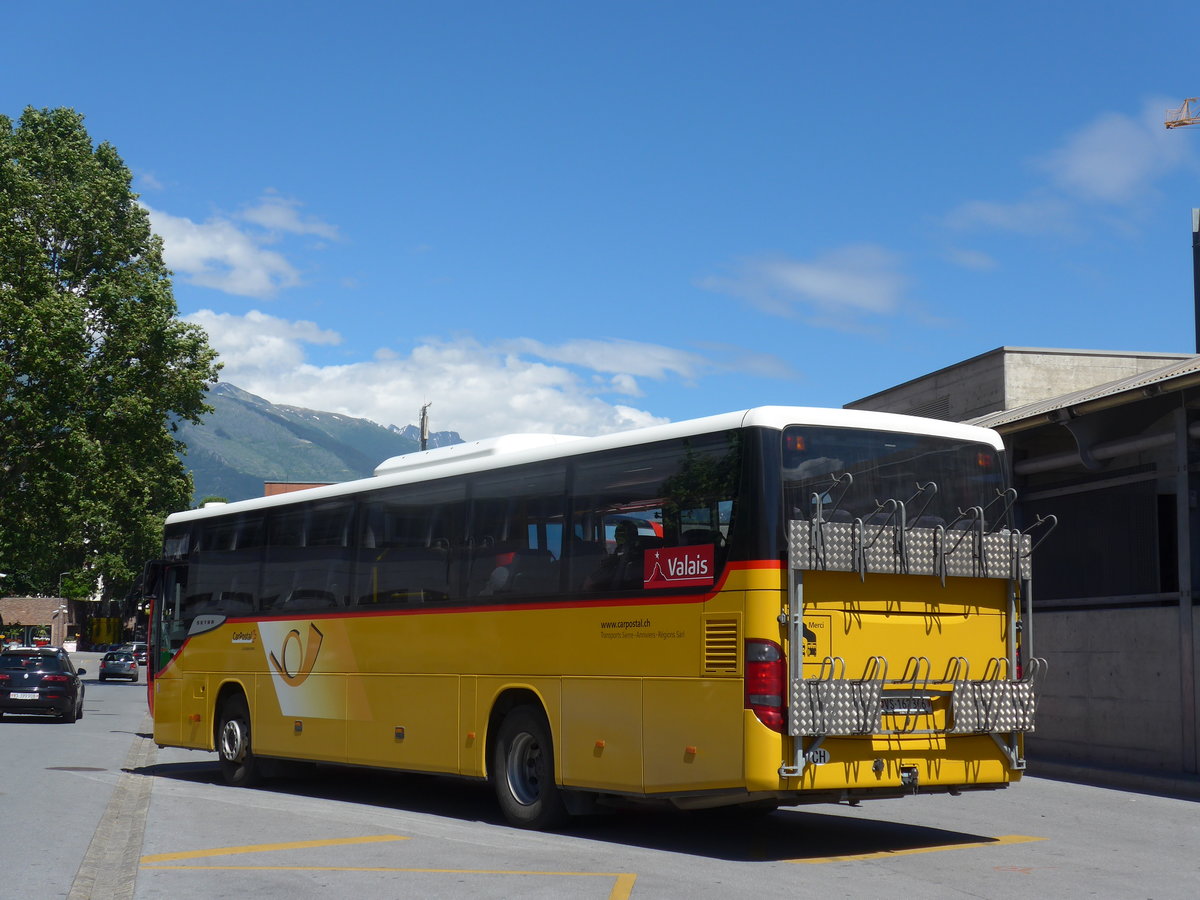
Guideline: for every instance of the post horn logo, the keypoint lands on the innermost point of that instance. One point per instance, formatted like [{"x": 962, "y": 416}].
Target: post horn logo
[{"x": 308, "y": 655}]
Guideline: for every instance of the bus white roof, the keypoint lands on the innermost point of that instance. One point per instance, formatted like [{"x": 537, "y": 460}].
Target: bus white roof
[
  {"x": 515, "y": 449},
  {"x": 497, "y": 446}
]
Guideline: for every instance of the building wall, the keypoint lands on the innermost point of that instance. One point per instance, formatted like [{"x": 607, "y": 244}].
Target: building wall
[
  {"x": 38, "y": 611},
  {"x": 1009, "y": 377},
  {"x": 956, "y": 393},
  {"x": 1034, "y": 375},
  {"x": 1111, "y": 696},
  {"x": 1114, "y": 608}
]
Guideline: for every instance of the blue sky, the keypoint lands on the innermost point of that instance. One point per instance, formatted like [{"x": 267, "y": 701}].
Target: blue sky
[{"x": 584, "y": 216}]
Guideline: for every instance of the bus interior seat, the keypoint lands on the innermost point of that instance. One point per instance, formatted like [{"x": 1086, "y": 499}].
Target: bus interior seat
[
  {"x": 695, "y": 536},
  {"x": 311, "y": 598},
  {"x": 583, "y": 557},
  {"x": 533, "y": 570}
]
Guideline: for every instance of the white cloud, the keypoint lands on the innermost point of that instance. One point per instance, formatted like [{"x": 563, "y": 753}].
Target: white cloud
[
  {"x": 257, "y": 345},
  {"x": 971, "y": 259},
  {"x": 147, "y": 181},
  {"x": 625, "y": 384},
  {"x": 624, "y": 357},
  {"x": 477, "y": 390},
  {"x": 1115, "y": 161},
  {"x": 230, "y": 253},
  {"x": 276, "y": 213},
  {"x": 218, "y": 254},
  {"x": 852, "y": 281},
  {"x": 1116, "y": 158},
  {"x": 1034, "y": 215}
]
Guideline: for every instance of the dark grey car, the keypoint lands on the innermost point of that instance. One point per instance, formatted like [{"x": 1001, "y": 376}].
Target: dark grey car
[{"x": 41, "y": 680}]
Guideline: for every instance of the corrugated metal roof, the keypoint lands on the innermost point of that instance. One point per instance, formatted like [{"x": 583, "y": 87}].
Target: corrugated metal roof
[{"x": 1139, "y": 382}]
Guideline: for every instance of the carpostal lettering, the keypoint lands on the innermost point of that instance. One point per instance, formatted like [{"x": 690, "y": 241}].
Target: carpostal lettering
[
  {"x": 243, "y": 637},
  {"x": 628, "y": 623}
]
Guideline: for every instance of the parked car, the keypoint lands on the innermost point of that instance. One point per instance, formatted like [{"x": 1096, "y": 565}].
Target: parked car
[
  {"x": 41, "y": 680},
  {"x": 119, "y": 664}
]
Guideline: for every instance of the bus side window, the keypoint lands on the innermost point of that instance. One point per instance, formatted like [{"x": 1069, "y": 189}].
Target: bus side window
[
  {"x": 405, "y": 553},
  {"x": 225, "y": 563},
  {"x": 517, "y": 523},
  {"x": 639, "y": 499},
  {"x": 308, "y": 558}
]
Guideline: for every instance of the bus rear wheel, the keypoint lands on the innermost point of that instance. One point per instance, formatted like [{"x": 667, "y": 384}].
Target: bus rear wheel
[
  {"x": 238, "y": 765},
  {"x": 523, "y": 771}
]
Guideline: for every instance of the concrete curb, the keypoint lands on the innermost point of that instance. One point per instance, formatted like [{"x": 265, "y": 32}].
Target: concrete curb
[{"x": 1179, "y": 785}]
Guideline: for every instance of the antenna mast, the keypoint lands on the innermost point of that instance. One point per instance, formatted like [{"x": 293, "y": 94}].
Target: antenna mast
[{"x": 425, "y": 425}]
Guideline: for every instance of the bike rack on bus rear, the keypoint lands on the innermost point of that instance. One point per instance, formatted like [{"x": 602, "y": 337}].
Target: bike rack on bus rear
[{"x": 832, "y": 704}]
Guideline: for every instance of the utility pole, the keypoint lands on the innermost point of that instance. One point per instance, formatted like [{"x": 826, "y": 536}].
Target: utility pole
[{"x": 1177, "y": 118}]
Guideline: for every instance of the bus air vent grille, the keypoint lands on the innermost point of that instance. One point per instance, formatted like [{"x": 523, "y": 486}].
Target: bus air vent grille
[{"x": 722, "y": 643}]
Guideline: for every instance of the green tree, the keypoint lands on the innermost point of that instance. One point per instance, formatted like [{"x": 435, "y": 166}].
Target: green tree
[{"x": 95, "y": 367}]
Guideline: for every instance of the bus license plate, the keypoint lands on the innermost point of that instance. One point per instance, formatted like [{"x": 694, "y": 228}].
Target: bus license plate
[
  {"x": 907, "y": 706},
  {"x": 21, "y": 696}
]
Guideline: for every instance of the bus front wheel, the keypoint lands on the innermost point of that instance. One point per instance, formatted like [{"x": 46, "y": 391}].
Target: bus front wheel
[
  {"x": 523, "y": 771},
  {"x": 238, "y": 765}
]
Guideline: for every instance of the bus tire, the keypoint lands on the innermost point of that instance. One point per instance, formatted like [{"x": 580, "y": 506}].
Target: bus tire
[
  {"x": 238, "y": 764},
  {"x": 523, "y": 771}
]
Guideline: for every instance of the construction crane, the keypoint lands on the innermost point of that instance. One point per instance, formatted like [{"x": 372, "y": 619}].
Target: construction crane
[
  {"x": 1175, "y": 119},
  {"x": 1183, "y": 115}
]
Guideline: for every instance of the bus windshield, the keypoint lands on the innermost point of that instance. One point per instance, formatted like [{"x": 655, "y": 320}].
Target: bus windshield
[{"x": 853, "y": 474}]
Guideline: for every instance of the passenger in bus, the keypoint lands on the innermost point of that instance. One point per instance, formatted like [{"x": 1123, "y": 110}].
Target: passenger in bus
[
  {"x": 615, "y": 569},
  {"x": 501, "y": 575},
  {"x": 583, "y": 557}
]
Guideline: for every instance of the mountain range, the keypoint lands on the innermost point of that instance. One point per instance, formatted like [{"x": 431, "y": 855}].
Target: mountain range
[{"x": 246, "y": 441}]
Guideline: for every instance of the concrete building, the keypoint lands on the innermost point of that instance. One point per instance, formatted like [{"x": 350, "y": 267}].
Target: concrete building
[
  {"x": 1009, "y": 378},
  {"x": 1110, "y": 444}
]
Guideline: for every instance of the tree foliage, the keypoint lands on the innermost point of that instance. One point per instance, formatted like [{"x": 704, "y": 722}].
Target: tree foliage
[{"x": 95, "y": 366}]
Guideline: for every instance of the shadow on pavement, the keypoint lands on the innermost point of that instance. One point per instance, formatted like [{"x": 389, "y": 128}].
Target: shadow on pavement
[{"x": 786, "y": 834}]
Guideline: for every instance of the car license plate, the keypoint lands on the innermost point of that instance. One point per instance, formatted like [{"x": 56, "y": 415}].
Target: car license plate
[{"x": 22, "y": 696}]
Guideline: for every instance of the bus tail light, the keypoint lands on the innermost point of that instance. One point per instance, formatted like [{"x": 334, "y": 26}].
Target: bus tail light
[{"x": 766, "y": 683}]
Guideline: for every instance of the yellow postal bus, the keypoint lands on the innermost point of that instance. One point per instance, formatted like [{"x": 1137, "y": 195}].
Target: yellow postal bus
[{"x": 769, "y": 607}]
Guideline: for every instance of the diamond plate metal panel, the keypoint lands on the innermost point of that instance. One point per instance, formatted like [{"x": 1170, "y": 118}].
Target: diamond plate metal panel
[
  {"x": 835, "y": 707},
  {"x": 855, "y": 547},
  {"x": 978, "y": 707}
]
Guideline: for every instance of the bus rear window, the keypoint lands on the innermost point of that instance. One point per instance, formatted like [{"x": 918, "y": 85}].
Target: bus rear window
[{"x": 852, "y": 474}]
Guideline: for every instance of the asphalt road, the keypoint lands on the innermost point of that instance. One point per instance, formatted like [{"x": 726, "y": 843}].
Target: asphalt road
[{"x": 95, "y": 810}]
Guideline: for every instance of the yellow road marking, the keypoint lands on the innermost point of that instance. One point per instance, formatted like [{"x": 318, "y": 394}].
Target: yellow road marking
[
  {"x": 888, "y": 854},
  {"x": 622, "y": 886},
  {"x": 266, "y": 848}
]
